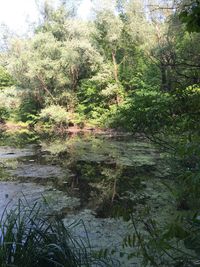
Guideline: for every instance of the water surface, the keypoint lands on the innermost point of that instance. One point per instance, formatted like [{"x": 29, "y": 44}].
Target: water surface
[{"x": 95, "y": 178}]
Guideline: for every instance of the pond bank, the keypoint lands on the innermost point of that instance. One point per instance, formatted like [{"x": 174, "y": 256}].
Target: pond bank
[{"x": 16, "y": 126}]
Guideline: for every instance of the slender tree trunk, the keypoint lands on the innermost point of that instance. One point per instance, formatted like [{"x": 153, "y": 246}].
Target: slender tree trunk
[
  {"x": 115, "y": 74},
  {"x": 166, "y": 83},
  {"x": 163, "y": 77},
  {"x": 74, "y": 78},
  {"x": 115, "y": 66}
]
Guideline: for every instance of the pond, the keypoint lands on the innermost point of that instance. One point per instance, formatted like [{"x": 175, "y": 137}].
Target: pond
[{"x": 93, "y": 178}]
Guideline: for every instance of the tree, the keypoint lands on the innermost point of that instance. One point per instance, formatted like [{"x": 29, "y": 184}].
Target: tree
[
  {"x": 54, "y": 60},
  {"x": 190, "y": 15}
]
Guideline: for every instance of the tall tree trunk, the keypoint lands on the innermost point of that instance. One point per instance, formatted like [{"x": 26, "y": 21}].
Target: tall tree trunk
[
  {"x": 117, "y": 99},
  {"x": 166, "y": 83},
  {"x": 74, "y": 77},
  {"x": 115, "y": 66},
  {"x": 163, "y": 77}
]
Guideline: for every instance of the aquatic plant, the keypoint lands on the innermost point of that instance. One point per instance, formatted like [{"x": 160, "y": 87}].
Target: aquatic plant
[{"x": 28, "y": 238}]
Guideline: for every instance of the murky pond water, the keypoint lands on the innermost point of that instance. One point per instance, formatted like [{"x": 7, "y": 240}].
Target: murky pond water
[{"x": 82, "y": 177}]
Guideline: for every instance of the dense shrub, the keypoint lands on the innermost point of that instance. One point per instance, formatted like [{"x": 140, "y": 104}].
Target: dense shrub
[
  {"x": 54, "y": 114},
  {"x": 9, "y": 102},
  {"x": 4, "y": 114},
  {"x": 5, "y": 78},
  {"x": 28, "y": 108},
  {"x": 144, "y": 111}
]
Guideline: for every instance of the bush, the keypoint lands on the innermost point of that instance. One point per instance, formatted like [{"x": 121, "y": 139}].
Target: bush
[
  {"x": 5, "y": 78},
  {"x": 174, "y": 119},
  {"x": 9, "y": 102},
  {"x": 9, "y": 98},
  {"x": 146, "y": 111},
  {"x": 4, "y": 114},
  {"x": 54, "y": 114},
  {"x": 28, "y": 108}
]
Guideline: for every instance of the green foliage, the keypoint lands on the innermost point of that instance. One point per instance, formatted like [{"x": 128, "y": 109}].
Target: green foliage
[
  {"x": 5, "y": 78},
  {"x": 171, "y": 245},
  {"x": 146, "y": 111},
  {"x": 10, "y": 98},
  {"x": 9, "y": 102},
  {"x": 151, "y": 111},
  {"x": 4, "y": 114},
  {"x": 51, "y": 63},
  {"x": 191, "y": 16},
  {"x": 136, "y": 69},
  {"x": 28, "y": 108},
  {"x": 54, "y": 114},
  {"x": 98, "y": 96},
  {"x": 28, "y": 238},
  {"x": 184, "y": 50},
  {"x": 172, "y": 121}
]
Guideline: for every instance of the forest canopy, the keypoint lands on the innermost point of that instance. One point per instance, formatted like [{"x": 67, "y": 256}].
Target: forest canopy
[{"x": 92, "y": 68}]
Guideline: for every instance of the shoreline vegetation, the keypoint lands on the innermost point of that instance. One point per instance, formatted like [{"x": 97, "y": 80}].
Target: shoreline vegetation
[
  {"x": 17, "y": 126},
  {"x": 132, "y": 68}
]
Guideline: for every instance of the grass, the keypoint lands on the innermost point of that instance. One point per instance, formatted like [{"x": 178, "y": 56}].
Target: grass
[{"x": 29, "y": 239}]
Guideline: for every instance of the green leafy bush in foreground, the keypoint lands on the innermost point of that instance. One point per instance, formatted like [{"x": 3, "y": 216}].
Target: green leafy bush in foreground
[
  {"x": 172, "y": 121},
  {"x": 27, "y": 239}
]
